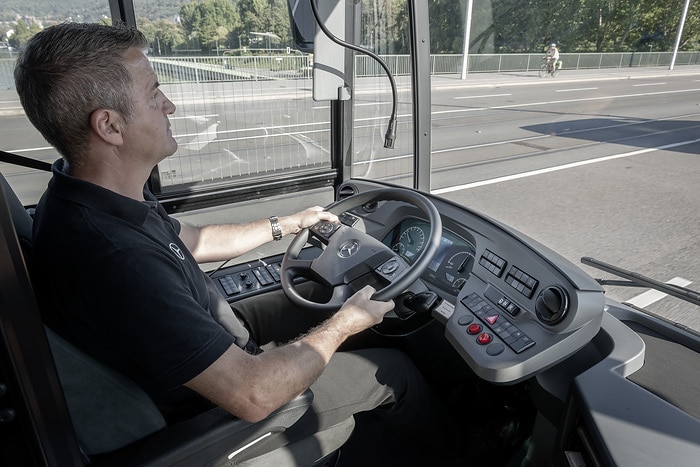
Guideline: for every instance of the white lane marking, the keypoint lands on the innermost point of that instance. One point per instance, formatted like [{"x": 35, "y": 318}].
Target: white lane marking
[
  {"x": 494, "y": 143},
  {"x": 192, "y": 117},
  {"x": 567, "y": 133},
  {"x": 564, "y": 101},
  {"x": 372, "y": 103},
  {"x": 30, "y": 149},
  {"x": 645, "y": 299},
  {"x": 488, "y": 95},
  {"x": 363, "y": 104},
  {"x": 559, "y": 167},
  {"x": 648, "y": 84},
  {"x": 574, "y": 90}
]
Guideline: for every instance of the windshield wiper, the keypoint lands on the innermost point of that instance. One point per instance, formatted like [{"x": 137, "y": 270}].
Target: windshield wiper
[{"x": 634, "y": 279}]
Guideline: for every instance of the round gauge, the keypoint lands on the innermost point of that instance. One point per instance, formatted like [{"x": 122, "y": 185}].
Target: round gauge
[
  {"x": 412, "y": 239},
  {"x": 458, "y": 267},
  {"x": 399, "y": 248},
  {"x": 458, "y": 283}
]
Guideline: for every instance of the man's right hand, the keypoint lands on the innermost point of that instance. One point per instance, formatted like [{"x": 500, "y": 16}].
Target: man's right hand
[{"x": 360, "y": 312}]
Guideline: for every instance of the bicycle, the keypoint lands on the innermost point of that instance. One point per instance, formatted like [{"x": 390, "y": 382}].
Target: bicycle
[{"x": 549, "y": 68}]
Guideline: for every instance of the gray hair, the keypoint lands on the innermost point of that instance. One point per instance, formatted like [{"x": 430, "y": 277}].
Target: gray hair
[{"x": 66, "y": 72}]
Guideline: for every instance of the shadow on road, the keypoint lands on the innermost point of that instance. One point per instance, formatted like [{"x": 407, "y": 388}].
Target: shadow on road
[{"x": 643, "y": 133}]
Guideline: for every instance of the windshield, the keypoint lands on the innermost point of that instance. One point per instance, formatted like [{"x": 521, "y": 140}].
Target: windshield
[{"x": 596, "y": 155}]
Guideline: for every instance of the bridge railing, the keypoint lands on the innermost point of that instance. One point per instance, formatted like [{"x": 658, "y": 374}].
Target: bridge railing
[
  {"x": 294, "y": 66},
  {"x": 572, "y": 61}
]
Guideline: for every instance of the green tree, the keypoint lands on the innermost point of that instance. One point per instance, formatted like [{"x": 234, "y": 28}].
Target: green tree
[
  {"x": 253, "y": 14},
  {"x": 447, "y": 26},
  {"x": 23, "y": 32},
  {"x": 210, "y": 22},
  {"x": 163, "y": 34},
  {"x": 264, "y": 16}
]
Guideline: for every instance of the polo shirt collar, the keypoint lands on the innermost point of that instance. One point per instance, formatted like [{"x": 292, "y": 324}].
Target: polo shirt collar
[{"x": 95, "y": 197}]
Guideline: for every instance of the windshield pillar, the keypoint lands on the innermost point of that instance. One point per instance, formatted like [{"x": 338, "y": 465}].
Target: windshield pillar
[{"x": 420, "y": 47}]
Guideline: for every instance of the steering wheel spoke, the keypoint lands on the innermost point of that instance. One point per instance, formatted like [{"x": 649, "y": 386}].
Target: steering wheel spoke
[
  {"x": 298, "y": 266},
  {"x": 392, "y": 268}
]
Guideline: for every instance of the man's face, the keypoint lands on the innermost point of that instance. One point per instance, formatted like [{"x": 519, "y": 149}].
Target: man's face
[{"x": 147, "y": 136}]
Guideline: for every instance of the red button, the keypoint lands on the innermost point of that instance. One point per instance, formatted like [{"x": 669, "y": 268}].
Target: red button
[
  {"x": 484, "y": 338},
  {"x": 474, "y": 328},
  {"x": 492, "y": 319}
]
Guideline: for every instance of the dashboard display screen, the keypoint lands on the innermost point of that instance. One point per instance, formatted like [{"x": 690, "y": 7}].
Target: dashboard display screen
[{"x": 451, "y": 265}]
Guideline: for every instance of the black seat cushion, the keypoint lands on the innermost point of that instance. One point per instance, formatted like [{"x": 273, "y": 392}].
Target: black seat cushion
[{"x": 102, "y": 424}]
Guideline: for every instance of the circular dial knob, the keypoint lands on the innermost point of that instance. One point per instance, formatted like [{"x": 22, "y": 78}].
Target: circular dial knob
[{"x": 551, "y": 305}]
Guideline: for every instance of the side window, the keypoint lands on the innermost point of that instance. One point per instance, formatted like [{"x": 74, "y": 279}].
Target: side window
[{"x": 242, "y": 91}]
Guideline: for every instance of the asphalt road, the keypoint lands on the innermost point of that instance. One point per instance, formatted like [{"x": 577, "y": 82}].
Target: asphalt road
[{"x": 591, "y": 163}]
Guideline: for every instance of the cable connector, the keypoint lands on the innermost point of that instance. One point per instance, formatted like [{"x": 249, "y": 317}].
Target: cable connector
[{"x": 390, "y": 136}]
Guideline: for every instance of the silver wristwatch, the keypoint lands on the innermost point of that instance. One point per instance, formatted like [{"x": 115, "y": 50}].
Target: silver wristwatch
[{"x": 276, "y": 230}]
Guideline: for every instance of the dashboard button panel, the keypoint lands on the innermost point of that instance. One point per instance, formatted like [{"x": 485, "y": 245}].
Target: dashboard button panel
[
  {"x": 249, "y": 279},
  {"x": 493, "y": 263},
  {"x": 521, "y": 281},
  {"x": 508, "y": 332}
]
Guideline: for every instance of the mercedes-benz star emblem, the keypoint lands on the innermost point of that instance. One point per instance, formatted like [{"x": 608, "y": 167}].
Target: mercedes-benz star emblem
[{"x": 348, "y": 249}]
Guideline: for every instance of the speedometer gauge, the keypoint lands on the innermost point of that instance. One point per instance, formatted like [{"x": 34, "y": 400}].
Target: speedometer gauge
[
  {"x": 411, "y": 242},
  {"x": 458, "y": 267}
]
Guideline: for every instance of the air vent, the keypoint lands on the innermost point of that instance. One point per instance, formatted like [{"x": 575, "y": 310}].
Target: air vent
[
  {"x": 551, "y": 305},
  {"x": 346, "y": 191}
]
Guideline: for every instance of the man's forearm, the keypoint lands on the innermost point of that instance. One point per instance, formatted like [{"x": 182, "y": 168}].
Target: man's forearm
[
  {"x": 223, "y": 242},
  {"x": 252, "y": 386}
]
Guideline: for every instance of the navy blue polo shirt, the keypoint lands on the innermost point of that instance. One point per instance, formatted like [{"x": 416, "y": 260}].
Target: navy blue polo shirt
[{"x": 114, "y": 278}]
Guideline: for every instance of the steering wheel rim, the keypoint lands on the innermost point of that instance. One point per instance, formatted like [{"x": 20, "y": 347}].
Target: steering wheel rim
[{"x": 371, "y": 253}]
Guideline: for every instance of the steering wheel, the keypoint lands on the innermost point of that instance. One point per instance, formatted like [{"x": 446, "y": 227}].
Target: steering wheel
[{"x": 350, "y": 254}]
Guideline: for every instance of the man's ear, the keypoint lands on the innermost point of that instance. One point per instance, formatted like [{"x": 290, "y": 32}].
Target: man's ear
[{"x": 108, "y": 125}]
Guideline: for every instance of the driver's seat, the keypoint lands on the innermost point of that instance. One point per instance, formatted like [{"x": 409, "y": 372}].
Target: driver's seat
[{"x": 77, "y": 411}]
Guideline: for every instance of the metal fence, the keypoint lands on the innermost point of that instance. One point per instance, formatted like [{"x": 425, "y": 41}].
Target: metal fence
[
  {"x": 287, "y": 66},
  {"x": 572, "y": 61},
  {"x": 496, "y": 63}
]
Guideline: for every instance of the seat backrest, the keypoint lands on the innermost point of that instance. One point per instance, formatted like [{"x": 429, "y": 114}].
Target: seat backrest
[
  {"x": 20, "y": 216},
  {"x": 123, "y": 412},
  {"x": 31, "y": 387}
]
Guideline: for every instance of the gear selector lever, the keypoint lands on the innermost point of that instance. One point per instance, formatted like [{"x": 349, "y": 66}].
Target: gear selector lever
[{"x": 409, "y": 303}]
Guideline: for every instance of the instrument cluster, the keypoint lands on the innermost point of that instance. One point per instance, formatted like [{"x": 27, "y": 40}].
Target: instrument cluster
[{"x": 451, "y": 265}]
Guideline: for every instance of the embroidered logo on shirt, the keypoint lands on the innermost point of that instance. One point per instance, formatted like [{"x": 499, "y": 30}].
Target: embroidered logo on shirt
[{"x": 178, "y": 252}]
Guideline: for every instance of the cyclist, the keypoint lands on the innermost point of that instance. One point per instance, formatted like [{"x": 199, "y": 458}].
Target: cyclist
[{"x": 552, "y": 57}]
